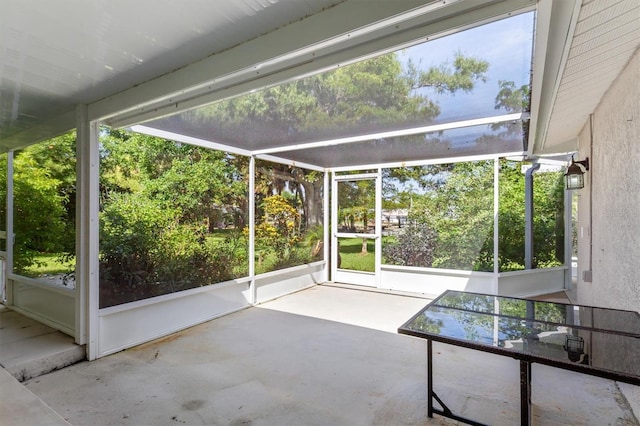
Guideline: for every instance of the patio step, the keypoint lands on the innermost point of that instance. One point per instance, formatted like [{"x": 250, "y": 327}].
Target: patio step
[{"x": 30, "y": 349}]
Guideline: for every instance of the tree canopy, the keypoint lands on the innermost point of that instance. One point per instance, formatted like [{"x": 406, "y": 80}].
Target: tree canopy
[{"x": 379, "y": 93}]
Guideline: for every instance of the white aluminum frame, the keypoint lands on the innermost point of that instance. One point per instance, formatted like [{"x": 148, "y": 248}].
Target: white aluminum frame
[
  {"x": 87, "y": 233},
  {"x": 200, "y": 304},
  {"x": 369, "y": 279},
  {"x": 395, "y": 133},
  {"x": 9, "y": 231},
  {"x": 50, "y": 305},
  {"x": 433, "y": 281},
  {"x": 252, "y": 229},
  {"x": 496, "y": 233}
]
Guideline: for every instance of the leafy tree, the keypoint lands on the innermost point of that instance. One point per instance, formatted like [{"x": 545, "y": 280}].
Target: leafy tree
[
  {"x": 456, "y": 205},
  {"x": 200, "y": 183},
  {"x": 44, "y": 201},
  {"x": 512, "y": 99},
  {"x": 305, "y": 186},
  {"x": 460, "y": 213},
  {"x": 164, "y": 208},
  {"x": 462, "y": 74},
  {"x": 548, "y": 219},
  {"x": 548, "y": 223},
  {"x": 511, "y": 217},
  {"x": 130, "y": 227}
]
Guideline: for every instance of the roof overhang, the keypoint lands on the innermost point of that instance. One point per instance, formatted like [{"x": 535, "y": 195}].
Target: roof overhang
[{"x": 581, "y": 47}]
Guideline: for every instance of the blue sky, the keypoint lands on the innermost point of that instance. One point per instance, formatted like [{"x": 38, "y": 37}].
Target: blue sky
[{"x": 505, "y": 44}]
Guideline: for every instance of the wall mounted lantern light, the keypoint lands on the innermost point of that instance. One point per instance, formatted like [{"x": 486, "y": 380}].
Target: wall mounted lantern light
[
  {"x": 574, "y": 345},
  {"x": 574, "y": 177}
]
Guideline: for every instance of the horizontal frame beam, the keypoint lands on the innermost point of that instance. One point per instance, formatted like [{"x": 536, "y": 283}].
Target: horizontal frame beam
[{"x": 395, "y": 133}]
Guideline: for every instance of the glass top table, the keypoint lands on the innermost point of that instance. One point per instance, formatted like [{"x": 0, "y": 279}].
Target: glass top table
[{"x": 597, "y": 341}]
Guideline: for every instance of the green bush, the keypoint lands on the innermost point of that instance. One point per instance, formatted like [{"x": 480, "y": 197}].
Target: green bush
[
  {"x": 414, "y": 246},
  {"x": 131, "y": 227},
  {"x": 146, "y": 251},
  {"x": 227, "y": 259}
]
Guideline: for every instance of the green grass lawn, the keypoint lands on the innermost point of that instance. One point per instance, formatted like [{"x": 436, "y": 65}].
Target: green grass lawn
[
  {"x": 50, "y": 264},
  {"x": 351, "y": 255}
]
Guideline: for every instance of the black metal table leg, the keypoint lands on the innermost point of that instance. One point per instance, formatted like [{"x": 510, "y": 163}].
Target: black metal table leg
[
  {"x": 525, "y": 392},
  {"x": 431, "y": 395},
  {"x": 429, "y": 378}
]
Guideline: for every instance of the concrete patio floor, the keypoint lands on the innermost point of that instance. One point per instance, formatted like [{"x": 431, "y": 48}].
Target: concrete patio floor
[{"x": 323, "y": 356}]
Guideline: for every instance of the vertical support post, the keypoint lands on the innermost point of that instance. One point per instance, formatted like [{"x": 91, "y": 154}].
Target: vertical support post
[
  {"x": 530, "y": 313},
  {"x": 10, "y": 231},
  {"x": 82, "y": 254},
  {"x": 326, "y": 225},
  {"x": 334, "y": 226},
  {"x": 94, "y": 240},
  {"x": 525, "y": 392},
  {"x": 87, "y": 233},
  {"x": 252, "y": 230},
  {"x": 496, "y": 223},
  {"x": 528, "y": 216},
  {"x": 378, "y": 230}
]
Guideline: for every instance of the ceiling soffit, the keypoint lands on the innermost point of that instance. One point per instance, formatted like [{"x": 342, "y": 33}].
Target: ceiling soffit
[{"x": 599, "y": 39}]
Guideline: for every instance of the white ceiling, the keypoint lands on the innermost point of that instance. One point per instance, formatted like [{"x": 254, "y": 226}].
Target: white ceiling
[
  {"x": 133, "y": 60},
  {"x": 56, "y": 55}
]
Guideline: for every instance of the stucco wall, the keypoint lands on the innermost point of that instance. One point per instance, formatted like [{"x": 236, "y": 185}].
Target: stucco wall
[{"x": 613, "y": 183}]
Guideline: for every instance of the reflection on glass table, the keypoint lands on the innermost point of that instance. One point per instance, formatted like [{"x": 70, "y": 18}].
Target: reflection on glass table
[{"x": 596, "y": 341}]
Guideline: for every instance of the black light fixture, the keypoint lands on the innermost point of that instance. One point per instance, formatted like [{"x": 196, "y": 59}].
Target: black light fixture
[
  {"x": 574, "y": 345},
  {"x": 574, "y": 177}
]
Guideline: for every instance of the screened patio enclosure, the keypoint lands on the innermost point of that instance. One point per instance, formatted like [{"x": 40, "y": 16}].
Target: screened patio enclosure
[
  {"x": 425, "y": 129},
  {"x": 397, "y": 130},
  {"x": 400, "y": 163}
]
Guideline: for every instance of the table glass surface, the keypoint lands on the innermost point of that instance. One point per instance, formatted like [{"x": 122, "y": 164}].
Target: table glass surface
[{"x": 602, "y": 338}]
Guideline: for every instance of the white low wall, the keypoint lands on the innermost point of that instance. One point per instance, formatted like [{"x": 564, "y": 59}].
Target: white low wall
[
  {"x": 531, "y": 282},
  {"x": 367, "y": 279},
  {"x": 51, "y": 305},
  {"x": 279, "y": 283},
  {"x": 434, "y": 281},
  {"x": 131, "y": 324}
]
